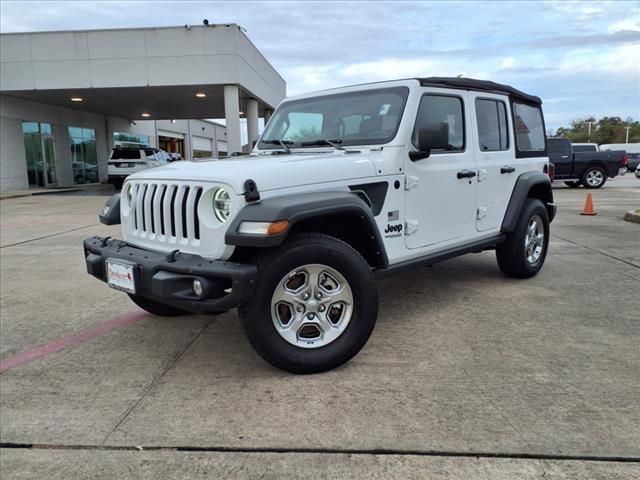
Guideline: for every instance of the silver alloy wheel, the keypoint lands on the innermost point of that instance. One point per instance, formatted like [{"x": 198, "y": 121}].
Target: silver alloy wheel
[
  {"x": 534, "y": 239},
  {"x": 312, "y": 306},
  {"x": 595, "y": 178}
]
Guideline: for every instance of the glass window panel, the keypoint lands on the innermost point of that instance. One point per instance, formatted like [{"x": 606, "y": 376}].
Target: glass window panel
[
  {"x": 30, "y": 127},
  {"x": 357, "y": 118},
  {"x": 84, "y": 156},
  {"x": 436, "y": 112},
  {"x": 530, "y": 135},
  {"x": 491, "y": 117}
]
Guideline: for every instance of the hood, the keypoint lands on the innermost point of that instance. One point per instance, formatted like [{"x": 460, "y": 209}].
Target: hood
[{"x": 270, "y": 172}]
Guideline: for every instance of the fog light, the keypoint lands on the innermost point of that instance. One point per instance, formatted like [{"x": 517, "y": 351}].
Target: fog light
[{"x": 198, "y": 289}]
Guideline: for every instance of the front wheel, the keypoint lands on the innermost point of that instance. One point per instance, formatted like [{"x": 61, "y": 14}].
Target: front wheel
[
  {"x": 523, "y": 253},
  {"x": 594, "y": 177},
  {"x": 315, "y": 305}
]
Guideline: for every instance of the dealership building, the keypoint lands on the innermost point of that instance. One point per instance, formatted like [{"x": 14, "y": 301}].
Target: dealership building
[{"x": 68, "y": 98}]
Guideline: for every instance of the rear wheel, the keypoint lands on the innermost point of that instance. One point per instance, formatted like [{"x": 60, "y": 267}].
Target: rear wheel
[
  {"x": 575, "y": 184},
  {"x": 315, "y": 305},
  {"x": 524, "y": 252},
  {"x": 156, "y": 308},
  {"x": 594, "y": 177}
]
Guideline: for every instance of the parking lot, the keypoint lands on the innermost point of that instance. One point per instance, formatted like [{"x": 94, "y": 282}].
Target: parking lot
[{"x": 468, "y": 374}]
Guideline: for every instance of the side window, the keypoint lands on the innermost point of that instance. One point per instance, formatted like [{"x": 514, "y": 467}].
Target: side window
[
  {"x": 444, "y": 117},
  {"x": 558, "y": 146},
  {"x": 150, "y": 154},
  {"x": 491, "y": 117},
  {"x": 529, "y": 127}
]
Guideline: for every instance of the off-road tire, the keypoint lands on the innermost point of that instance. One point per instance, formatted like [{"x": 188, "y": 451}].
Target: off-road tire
[
  {"x": 306, "y": 249},
  {"x": 156, "y": 308},
  {"x": 511, "y": 255}
]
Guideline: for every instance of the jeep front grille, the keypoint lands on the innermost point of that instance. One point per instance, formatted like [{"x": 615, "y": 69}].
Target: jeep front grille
[{"x": 165, "y": 212}]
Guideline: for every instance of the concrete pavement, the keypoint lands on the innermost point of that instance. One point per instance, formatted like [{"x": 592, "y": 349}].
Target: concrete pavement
[{"x": 462, "y": 362}]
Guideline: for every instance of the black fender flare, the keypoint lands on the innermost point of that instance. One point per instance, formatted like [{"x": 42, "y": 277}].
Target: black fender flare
[
  {"x": 303, "y": 206},
  {"x": 529, "y": 184},
  {"x": 111, "y": 212}
]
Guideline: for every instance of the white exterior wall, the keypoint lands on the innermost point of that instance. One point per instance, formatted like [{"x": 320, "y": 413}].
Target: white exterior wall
[
  {"x": 13, "y": 166},
  {"x": 14, "y": 111}
]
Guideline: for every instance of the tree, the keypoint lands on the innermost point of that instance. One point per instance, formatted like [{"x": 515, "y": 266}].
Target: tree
[{"x": 604, "y": 130}]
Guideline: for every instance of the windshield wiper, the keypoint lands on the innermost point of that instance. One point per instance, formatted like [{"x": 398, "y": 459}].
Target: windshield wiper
[
  {"x": 334, "y": 143},
  {"x": 283, "y": 143}
]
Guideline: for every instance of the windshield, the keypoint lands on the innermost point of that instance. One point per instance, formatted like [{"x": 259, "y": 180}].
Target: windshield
[{"x": 357, "y": 118}]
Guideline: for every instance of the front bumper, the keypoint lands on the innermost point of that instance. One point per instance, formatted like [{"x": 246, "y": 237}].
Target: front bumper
[{"x": 168, "y": 278}]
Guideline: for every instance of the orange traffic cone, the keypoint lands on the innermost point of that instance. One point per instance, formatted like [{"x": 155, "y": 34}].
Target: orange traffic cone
[{"x": 588, "y": 206}]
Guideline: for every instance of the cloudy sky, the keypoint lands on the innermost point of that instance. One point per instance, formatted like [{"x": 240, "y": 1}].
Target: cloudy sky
[{"x": 582, "y": 58}]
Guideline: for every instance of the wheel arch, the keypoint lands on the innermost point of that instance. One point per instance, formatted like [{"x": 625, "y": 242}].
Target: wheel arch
[
  {"x": 341, "y": 214},
  {"x": 528, "y": 185},
  {"x": 597, "y": 164}
]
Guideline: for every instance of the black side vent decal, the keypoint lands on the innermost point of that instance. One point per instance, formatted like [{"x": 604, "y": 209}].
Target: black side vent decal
[{"x": 375, "y": 193}]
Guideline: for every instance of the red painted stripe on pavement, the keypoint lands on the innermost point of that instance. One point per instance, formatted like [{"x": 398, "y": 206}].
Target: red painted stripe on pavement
[{"x": 69, "y": 341}]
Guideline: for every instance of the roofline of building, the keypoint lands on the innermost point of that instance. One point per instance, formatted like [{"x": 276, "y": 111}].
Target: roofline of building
[
  {"x": 211, "y": 25},
  {"x": 89, "y": 30}
]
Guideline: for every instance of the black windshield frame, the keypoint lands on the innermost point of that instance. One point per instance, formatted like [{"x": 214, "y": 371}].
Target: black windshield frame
[{"x": 289, "y": 107}]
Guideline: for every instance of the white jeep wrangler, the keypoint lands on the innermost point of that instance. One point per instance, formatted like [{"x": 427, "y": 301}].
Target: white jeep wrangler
[{"x": 343, "y": 186}]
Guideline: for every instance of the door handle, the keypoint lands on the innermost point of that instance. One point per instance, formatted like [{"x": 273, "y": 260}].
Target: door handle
[
  {"x": 466, "y": 174},
  {"x": 564, "y": 156},
  {"x": 507, "y": 169}
]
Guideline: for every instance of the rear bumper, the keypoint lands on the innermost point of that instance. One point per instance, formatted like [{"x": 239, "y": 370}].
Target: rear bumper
[{"x": 168, "y": 280}]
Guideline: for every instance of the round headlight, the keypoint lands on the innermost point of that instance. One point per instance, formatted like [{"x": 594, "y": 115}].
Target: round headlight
[{"x": 222, "y": 204}]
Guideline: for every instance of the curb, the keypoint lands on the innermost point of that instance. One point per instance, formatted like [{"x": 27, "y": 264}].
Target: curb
[
  {"x": 632, "y": 216},
  {"x": 7, "y": 195}
]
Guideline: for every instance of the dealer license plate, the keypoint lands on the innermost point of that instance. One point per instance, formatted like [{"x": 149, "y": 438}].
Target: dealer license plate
[{"x": 120, "y": 276}]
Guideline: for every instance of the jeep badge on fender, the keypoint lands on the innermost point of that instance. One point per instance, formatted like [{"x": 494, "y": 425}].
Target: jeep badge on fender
[{"x": 295, "y": 233}]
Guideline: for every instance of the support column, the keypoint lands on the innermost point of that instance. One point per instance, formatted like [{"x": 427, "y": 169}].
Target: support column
[
  {"x": 252, "y": 122},
  {"x": 232, "y": 118}
]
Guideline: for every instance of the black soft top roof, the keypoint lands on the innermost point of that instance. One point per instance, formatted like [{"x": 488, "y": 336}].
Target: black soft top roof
[{"x": 479, "y": 85}]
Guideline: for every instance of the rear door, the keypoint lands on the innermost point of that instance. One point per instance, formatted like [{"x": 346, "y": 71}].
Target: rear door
[
  {"x": 560, "y": 154},
  {"x": 495, "y": 158},
  {"x": 440, "y": 190}
]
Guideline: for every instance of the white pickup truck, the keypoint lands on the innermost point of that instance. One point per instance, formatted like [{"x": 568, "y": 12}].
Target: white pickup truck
[{"x": 343, "y": 187}]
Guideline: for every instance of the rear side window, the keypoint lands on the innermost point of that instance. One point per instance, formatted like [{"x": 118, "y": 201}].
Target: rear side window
[
  {"x": 558, "y": 145},
  {"x": 493, "y": 133},
  {"x": 529, "y": 128},
  {"x": 442, "y": 114},
  {"x": 125, "y": 154},
  {"x": 584, "y": 148}
]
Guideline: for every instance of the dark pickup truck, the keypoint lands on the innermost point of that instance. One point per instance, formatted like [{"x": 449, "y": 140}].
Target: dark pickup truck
[{"x": 590, "y": 169}]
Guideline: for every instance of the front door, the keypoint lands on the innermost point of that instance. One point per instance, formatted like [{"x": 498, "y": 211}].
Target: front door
[
  {"x": 498, "y": 169},
  {"x": 39, "y": 153},
  {"x": 440, "y": 189}
]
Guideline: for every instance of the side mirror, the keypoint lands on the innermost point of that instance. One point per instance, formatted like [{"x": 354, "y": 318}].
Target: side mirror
[{"x": 435, "y": 136}]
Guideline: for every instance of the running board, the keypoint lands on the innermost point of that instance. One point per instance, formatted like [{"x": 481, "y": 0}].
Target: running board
[{"x": 433, "y": 258}]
